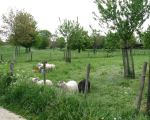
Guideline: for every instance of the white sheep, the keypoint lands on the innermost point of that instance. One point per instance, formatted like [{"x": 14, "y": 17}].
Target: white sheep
[
  {"x": 50, "y": 66},
  {"x": 41, "y": 82},
  {"x": 35, "y": 79},
  {"x": 47, "y": 66},
  {"x": 69, "y": 86},
  {"x": 47, "y": 82}
]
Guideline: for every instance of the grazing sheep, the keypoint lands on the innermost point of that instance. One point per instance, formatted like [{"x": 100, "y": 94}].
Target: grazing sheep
[
  {"x": 48, "y": 66},
  {"x": 48, "y": 82},
  {"x": 81, "y": 86},
  {"x": 41, "y": 82},
  {"x": 69, "y": 86},
  {"x": 35, "y": 79}
]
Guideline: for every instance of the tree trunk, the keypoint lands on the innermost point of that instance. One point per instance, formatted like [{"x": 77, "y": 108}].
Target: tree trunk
[
  {"x": 67, "y": 55},
  {"x": 79, "y": 50},
  {"x": 128, "y": 63},
  {"x": 94, "y": 49},
  {"x": 87, "y": 79},
  {"x": 19, "y": 50},
  {"x": 16, "y": 51},
  {"x": 28, "y": 50}
]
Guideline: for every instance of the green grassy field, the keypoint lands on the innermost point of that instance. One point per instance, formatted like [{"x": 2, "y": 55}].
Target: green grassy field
[{"x": 112, "y": 97}]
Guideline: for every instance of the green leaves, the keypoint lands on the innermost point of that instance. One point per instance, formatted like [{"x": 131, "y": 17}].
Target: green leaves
[
  {"x": 42, "y": 39},
  {"x": 145, "y": 37},
  {"x": 76, "y": 37},
  {"x": 125, "y": 15},
  {"x": 19, "y": 27},
  {"x": 24, "y": 28}
]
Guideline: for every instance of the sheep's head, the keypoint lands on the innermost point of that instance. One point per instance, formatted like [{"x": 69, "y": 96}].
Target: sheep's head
[
  {"x": 61, "y": 84},
  {"x": 35, "y": 79}
]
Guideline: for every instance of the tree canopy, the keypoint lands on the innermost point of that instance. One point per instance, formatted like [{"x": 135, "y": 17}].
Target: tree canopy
[
  {"x": 60, "y": 42},
  {"x": 42, "y": 39},
  {"x": 145, "y": 38},
  {"x": 76, "y": 37},
  {"x": 79, "y": 38},
  {"x": 123, "y": 16},
  {"x": 20, "y": 27},
  {"x": 24, "y": 29},
  {"x": 65, "y": 30}
]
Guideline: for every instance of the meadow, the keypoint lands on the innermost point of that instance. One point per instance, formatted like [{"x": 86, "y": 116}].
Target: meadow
[{"x": 112, "y": 97}]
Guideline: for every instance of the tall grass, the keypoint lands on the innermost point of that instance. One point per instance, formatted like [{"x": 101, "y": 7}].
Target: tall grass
[{"x": 112, "y": 97}]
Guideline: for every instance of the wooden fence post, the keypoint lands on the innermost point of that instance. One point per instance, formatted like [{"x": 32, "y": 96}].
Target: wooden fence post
[
  {"x": 148, "y": 96},
  {"x": 139, "y": 97},
  {"x": 64, "y": 55},
  {"x": 50, "y": 55},
  {"x": 69, "y": 55},
  {"x": 31, "y": 56},
  {"x": 88, "y": 53},
  {"x": 14, "y": 57},
  {"x": 1, "y": 57},
  {"x": 11, "y": 67},
  {"x": 44, "y": 71},
  {"x": 87, "y": 79}
]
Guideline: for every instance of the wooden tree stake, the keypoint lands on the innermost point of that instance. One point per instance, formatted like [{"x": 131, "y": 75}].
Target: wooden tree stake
[
  {"x": 139, "y": 97},
  {"x": 87, "y": 79}
]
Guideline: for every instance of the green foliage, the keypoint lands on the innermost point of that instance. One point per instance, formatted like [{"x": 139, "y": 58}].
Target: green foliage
[
  {"x": 5, "y": 81},
  {"x": 24, "y": 29},
  {"x": 46, "y": 102},
  {"x": 97, "y": 41},
  {"x": 20, "y": 27},
  {"x": 42, "y": 39},
  {"x": 79, "y": 38},
  {"x": 8, "y": 22},
  {"x": 31, "y": 97},
  {"x": 111, "y": 42},
  {"x": 76, "y": 37},
  {"x": 145, "y": 37},
  {"x": 60, "y": 42},
  {"x": 111, "y": 97},
  {"x": 1, "y": 42},
  {"x": 65, "y": 30},
  {"x": 125, "y": 16}
]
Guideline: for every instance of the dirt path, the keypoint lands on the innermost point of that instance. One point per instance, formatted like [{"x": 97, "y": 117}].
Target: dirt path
[{"x": 7, "y": 115}]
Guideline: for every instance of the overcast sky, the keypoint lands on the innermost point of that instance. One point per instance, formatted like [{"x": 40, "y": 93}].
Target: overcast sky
[{"x": 47, "y": 12}]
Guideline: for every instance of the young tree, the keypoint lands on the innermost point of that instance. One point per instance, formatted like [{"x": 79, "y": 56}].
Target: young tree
[
  {"x": 20, "y": 28},
  {"x": 76, "y": 37},
  {"x": 97, "y": 40},
  {"x": 79, "y": 38},
  {"x": 8, "y": 23},
  {"x": 60, "y": 42},
  {"x": 42, "y": 39},
  {"x": 24, "y": 29},
  {"x": 111, "y": 42},
  {"x": 7, "y": 29},
  {"x": 124, "y": 17},
  {"x": 65, "y": 30}
]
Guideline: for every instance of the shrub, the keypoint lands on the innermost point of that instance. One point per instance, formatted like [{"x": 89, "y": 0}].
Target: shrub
[
  {"x": 5, "y": 81},
  {"x": 44, "y": 102}
]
